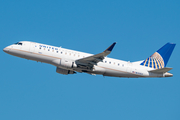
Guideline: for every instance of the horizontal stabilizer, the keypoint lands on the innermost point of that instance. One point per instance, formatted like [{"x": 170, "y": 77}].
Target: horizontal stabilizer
[{"x": 161, "y": 70}]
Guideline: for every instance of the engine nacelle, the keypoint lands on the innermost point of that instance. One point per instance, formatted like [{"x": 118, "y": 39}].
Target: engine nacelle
[{"x": 64, "y": 71}]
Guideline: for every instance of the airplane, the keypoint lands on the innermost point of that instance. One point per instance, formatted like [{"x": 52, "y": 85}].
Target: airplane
[{"x": 70, "y": 62}]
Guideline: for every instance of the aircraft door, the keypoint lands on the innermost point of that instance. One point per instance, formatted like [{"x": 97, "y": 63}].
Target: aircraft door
[
  {"x": 129, "y": 67},
  {"x": 36, "y": 48},
  {"x": 32, "y": 47}
]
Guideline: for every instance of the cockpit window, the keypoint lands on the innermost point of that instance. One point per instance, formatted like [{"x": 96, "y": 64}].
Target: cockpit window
[{"x": 18, "y": 43}]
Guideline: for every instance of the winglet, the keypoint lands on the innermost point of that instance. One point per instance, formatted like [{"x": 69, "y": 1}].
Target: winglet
[{"x": 110, "y": 47}]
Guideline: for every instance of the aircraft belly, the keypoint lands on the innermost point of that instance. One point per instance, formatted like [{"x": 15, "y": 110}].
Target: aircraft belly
[{"x": 119, "y": 73}]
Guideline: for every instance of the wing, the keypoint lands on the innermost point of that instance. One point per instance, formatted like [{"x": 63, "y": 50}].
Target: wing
[{"x": 94, "y": 59}]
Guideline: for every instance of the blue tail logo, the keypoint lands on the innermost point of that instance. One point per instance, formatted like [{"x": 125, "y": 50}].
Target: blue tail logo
[{"x": 160, "y": 58}]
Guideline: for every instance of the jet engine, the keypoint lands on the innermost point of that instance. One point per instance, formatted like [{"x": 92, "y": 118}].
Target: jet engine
[{"x": 64, "y": 71}]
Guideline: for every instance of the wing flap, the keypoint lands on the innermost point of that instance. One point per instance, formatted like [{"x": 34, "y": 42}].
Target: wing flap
[{"x": 161, "y": 70}]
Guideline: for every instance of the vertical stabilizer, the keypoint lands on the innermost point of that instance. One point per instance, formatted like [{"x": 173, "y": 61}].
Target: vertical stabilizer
[{"x": 160, "y": 58}]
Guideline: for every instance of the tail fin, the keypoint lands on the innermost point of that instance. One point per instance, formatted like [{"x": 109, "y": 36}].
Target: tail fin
[{"x": 160, "y": 58}]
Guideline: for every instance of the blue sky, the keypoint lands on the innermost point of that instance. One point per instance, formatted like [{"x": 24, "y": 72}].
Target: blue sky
[{"x": 34, "y": 91}]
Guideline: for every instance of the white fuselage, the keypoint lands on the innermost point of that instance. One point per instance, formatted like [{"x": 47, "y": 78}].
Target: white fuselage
[{"x": 55, "y": 55}]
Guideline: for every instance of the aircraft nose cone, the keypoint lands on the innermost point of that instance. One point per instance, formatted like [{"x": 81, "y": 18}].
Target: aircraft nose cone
[{"x": 6, "y": 50}]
